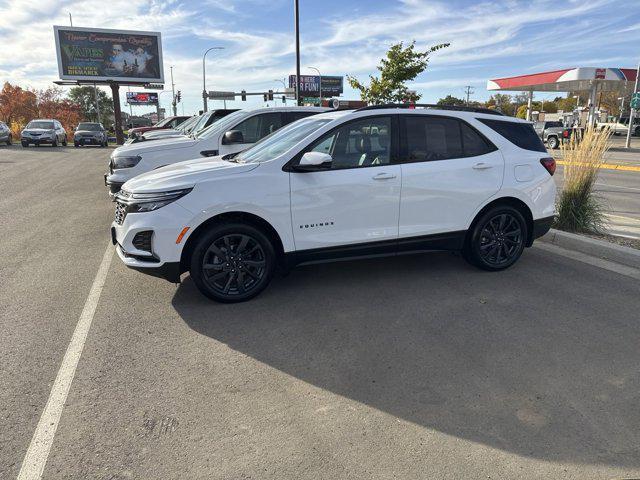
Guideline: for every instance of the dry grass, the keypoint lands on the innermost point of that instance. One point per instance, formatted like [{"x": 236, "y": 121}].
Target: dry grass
[{"x": 579, "y": 209}]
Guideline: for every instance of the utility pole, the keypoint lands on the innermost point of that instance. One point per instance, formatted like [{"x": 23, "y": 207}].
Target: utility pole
[
  {"x": 297, "y": 28},
  {"x": 173, "y": 92},
  {"x": 469, "y": 92},
  {"x": 95, "y": 92},
  {"x": 204, "y": 79},
  {"x": 632, "y": 111}
]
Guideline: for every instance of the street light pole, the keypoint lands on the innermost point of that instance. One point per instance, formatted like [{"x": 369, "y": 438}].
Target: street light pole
[
  {"x": 320, "y": 86},
  {"x": 632, "y": 111},
  {"x": 297, "y": 28},
  {"x": 173, "y": 91},
  {"x": 284, "y": 86},
  {"x": 204, "y": 77}
]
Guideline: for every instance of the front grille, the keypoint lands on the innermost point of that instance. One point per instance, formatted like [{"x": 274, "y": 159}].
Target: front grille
[
  {"x": 142, "y": 240},
  {"x": 121, "y": 213}
]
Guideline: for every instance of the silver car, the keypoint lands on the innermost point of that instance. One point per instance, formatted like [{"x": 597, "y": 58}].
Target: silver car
[
  {"x": 42, "y": 132},
  {"x": 5, "y": 133},
  {"x": 89, "y": 133}
]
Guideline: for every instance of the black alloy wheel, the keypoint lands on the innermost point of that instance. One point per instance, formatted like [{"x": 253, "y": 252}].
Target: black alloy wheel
[
  {"x": 498, "y": 239},
  {"x": 232, "y": 263},
  {"x": 9, "y": 140},
  {"x": 64, "y": 141}
]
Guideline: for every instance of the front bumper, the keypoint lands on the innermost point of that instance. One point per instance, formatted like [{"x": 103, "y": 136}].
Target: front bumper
[
  {"x": 166, "y": 223},
  {"x": 88, "y": 141},
  {"x": 38, "y": 141}
]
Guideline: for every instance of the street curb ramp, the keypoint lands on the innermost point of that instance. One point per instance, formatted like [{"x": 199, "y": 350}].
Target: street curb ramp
[{"x": 596, "y": 248}]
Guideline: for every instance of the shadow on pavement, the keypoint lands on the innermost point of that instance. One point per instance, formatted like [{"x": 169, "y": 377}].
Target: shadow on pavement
[{"x": 541, "y": 360}]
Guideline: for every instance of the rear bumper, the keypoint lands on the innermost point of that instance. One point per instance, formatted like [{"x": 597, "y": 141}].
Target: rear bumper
[{"x": 541, "y": 227}]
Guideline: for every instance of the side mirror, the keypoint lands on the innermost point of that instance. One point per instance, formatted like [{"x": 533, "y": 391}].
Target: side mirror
[
  {"x": 232, "y": 136},
  {"x": 312, "y": 161}
]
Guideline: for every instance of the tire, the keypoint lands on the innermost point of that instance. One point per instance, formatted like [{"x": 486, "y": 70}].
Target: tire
[
  {"x": 24, "y": 144},
  {"x": 637, "y": 132},
  {"x": 55, "y": 142},
  {"x": 9, "y": 140},
  {"x": 553, "y": 142},
  {"x": 64, "y": 141},
  {"x": 76, "y": 144},
  {"x": 497, "y": 239},
  {"x": 218, "y": 249}
]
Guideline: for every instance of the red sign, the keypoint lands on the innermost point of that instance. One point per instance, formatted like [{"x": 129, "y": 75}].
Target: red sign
[{"x": 601, "y": 73}]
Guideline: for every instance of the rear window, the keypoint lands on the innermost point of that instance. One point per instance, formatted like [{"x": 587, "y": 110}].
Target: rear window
[
  {"x": 554, "y": 124},
  {"x": 520, "y": 134}
]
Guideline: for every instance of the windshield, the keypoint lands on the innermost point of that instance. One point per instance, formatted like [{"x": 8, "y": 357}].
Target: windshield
[
  {"x": 282, "y": 140},
  {"x": 186, "y": 125},
  {"x": 222, "y": 124},
  {"x": 41, "y": 124},
  {"x": 163, "y": 122},
  {"x": 93, "y": 127}
]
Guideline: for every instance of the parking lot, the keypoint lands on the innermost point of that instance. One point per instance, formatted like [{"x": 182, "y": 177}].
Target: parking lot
[{"x": 406, "y": 367}]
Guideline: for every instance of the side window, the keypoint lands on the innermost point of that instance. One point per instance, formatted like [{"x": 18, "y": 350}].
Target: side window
[
  {"x": 520, "y": 134},
  {"x": 361, "y": 143},
  {"x": 430, "y": 138},
  {"x": 259, "y": 126},
  {"x": 472, "y": 143},
  {"x": 293, "y": 116}
]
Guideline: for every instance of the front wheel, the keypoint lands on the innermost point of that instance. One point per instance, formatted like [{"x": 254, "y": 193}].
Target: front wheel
[
  {"x": 497, "y": 239},
  {"x": 9, "y": 140},
  {"x": 55, "y": 142},
  {"x": 64, "y": 141},
  {"x": 232, "y": 262},
  {"x": 24, "y": 144}
]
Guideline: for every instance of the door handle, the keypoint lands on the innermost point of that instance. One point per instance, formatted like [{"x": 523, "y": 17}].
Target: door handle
[
  {"x": 383, "y": 176},
  {"x": 482, "y": 166}
]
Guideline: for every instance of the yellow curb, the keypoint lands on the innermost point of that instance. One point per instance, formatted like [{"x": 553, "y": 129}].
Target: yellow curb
[{"x": 611, "y": 166}]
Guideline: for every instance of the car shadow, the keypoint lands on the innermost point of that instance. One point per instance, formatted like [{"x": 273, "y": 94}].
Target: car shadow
[{"x": 530, "y": 360}]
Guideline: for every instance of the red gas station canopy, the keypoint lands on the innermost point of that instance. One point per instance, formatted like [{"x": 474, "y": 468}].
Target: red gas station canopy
[{"x": 569, "y": 80}]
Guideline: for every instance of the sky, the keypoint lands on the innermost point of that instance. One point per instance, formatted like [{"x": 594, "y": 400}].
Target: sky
[{"x": 489, "y": 39}]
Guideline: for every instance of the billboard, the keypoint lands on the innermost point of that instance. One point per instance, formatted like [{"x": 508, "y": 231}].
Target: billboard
[
  {"x": 98, "y": 54},
  {"x": 142, "y": 98},
  {"x": 310, "y": 85}
]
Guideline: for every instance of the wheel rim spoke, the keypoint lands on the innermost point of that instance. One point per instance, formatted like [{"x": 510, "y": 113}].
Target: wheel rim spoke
[{"x": 500, "y": 239}]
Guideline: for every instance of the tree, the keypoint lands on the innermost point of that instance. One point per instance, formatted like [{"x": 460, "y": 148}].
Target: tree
[
  {"x": 502, "y": 103},
  {"x": 401, "y": 65},
  {"x": 85, "y": 98},
  {"x": 17, "y": 105},
  {"x": 451, "y": 100},
  {"x": 52, "y": 104}
]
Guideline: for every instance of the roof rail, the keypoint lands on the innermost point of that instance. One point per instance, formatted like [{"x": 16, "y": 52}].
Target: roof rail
[{"x": 433, "y": 106}]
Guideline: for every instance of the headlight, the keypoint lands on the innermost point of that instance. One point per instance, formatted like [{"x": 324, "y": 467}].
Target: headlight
[
  {"x": 148, "y": 202},
  {"x": 125, "y": 162}
]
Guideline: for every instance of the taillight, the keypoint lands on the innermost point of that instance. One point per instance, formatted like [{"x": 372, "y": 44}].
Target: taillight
[
  {"x": 565, "y": 133},
  {"x": 550, "y": 164}
]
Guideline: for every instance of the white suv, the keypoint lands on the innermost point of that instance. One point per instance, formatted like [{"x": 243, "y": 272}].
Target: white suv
[
  {"x": 232, "y": 134},
  {"x": 375, "y": 181}
]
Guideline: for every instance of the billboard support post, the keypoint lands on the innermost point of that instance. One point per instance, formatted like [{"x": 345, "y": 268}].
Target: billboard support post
[
  {"x": 117, "y": 113},
  {"x": 633, "y": 110},
  {"x": 297, "y": 28},
  {"x": 95, "y": 92}
]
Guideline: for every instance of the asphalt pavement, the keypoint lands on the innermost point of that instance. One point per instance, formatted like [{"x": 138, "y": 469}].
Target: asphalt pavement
[{"x": 407, "y": 367}]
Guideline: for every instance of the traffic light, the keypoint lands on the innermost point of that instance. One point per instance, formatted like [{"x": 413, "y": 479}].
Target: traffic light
[
  {"x": 284, "y": 99},
  {"x": 243, "y": 95},
  {"x": 270, "y": 94},
  {"x": 178, "y": 96},
  {"x": 265, "y": 97}
]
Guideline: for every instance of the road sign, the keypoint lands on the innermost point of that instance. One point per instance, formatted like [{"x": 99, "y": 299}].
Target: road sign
[
  {"x": 635, "y": 100},
  {"x": 154, "y": 86},
  {"x": 215, "y": 95}
]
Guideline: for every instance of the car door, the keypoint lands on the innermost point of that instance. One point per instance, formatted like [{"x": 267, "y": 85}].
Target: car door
[
  {"x": 253, "y": 129},
  {"x": 449, "y": 169},
  {"x": 355, "y": 198}
]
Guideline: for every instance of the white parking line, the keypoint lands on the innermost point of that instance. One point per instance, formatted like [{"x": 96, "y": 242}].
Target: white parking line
[
  {"x": 616, "y": 186},
  {"x": 38, "y": 452}
]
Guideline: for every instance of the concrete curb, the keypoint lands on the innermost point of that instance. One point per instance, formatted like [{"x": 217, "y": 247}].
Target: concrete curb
[{"x": 596, "y": 248}]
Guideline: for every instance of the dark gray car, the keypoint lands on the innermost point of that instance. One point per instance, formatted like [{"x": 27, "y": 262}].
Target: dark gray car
[
  {"x": 42, "y": 132},
  {"x": 550, "y": 132},
  {"x": 5, "y": 133},
  {"x": 90, "y": 133}
]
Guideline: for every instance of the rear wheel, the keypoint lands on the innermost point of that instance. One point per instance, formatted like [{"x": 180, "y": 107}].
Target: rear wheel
[
  {"x": 553, "y": 142},
  {"x": 232, "y": 262},
  {"x": 497, "y": 239}
]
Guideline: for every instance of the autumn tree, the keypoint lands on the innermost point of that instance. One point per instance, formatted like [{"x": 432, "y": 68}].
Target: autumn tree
[
  {"x": 402, "y": 64},
  {"x": 52, "y": 104},
  {"x": 17, "y": 105}
]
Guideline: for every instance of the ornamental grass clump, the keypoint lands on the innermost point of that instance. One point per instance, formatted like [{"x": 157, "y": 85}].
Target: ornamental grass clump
[{"x": 579, "y": 209}]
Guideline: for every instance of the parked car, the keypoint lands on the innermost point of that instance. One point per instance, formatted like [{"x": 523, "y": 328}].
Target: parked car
[
  {"x": 136, "y": 122},
  {"x": 550, "y": 133},
  {"x": 234, "y": 133},
  {"x": 185, "y": 128},
  {"x": 90, "y": 133},
  {"x": 5, "y": 133},
  {"x": 42, "y": 132},
  {"x": 169, "y": 122},
  {"x": 377, "y": 181},
  {"x": 616, "y": 128},
  {"x": 203, "y": 121}
]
